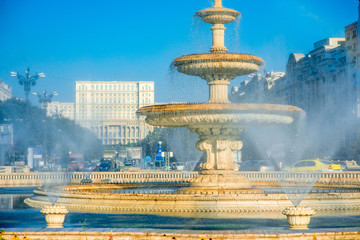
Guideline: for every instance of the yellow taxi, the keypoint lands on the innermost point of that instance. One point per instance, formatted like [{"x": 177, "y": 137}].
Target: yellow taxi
[{"x": 314, "y": 165}]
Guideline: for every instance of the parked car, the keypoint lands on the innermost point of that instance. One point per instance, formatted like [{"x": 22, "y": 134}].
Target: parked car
[
  {"x": 76, "y": 162},
  {"x": 256, "y": 165},
  {"x": 88, "y": 167},
  {"x": 351, "y": 165},
  {"x": 348, "y": 165},
  {"x": 314, "y": 165},
  {"x": 105, "y": 166}
]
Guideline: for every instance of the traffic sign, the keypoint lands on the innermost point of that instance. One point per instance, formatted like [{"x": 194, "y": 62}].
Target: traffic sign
[
  {"x": 159, "y": 158},
  {"x": 160, "y": 149},
  {"x": 148, "y": 159}
]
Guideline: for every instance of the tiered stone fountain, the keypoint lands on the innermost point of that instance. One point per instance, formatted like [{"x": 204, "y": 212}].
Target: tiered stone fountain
[
  {"x": 218, "y": 122},
  {"x": 218, "y": 191}
]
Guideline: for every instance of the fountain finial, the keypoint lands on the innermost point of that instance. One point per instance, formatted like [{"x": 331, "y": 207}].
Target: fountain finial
[{"x": 218, "y": 4}]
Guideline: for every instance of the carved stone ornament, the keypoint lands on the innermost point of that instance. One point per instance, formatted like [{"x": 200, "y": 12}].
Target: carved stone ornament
[
  {"x": 54, "y": 215},
  {"x": 298, "y": 217}
]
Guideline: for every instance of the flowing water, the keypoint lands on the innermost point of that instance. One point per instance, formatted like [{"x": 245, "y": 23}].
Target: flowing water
[{"x": 55, "y": 187}]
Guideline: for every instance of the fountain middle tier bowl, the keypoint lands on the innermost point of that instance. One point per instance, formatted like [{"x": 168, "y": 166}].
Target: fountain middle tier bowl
[
  {"x": 224, "y": 64},
  {"x": 219, "y": 114}
]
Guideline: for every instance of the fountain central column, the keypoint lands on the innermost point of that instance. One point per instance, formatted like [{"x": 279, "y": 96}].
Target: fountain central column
[
  {"x": 218, "y": 4},
  {"x": 218, "y": 88},
  {"x": 218, "y": 36},
  {"x": 218, "y": 175},
  {"x": 218, "y": 144}
]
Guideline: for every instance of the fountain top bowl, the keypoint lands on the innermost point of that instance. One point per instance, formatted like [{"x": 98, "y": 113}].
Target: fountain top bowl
[{"x": 218, "y": 15}]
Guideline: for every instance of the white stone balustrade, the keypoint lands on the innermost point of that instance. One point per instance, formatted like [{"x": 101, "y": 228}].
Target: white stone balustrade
[
  {"x": 36, "y": 179},
  {"x": 343, "y": 178}
]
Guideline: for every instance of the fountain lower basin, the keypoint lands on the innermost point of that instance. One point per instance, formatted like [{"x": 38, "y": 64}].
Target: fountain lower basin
[{"x": 200, "y": 205}]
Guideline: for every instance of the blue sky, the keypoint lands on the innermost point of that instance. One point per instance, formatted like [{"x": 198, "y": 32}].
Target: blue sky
[{"x": 106, "y": 40}]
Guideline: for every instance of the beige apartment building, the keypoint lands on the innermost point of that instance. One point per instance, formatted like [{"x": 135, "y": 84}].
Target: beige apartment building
[
  {"x": 257, "y": 89},
  {"x": 317, "y": 81},
  {"x": 325, "y": 82},
  {"x": 109, "y": 109},
  {"x": 353, "y": 63}
]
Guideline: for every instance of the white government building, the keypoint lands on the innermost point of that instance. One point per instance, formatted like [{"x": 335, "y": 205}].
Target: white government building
[
  {"x": 108, "y": 108},
  {"x": 60, "y": 109}
]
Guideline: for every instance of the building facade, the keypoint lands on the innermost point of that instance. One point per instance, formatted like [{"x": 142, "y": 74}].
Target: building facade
[
  {"x": 257, "y": 90},
  {"x": 316, "y": 82},
  {"x": 352, "y": 55},
  {"x": 325, "y": 83},
  {"x": 5, "y": 91},
  {"x": 109, "y": 109},
  {"x": 61, "y": 110},
  {"x": 6, "y": 142}
]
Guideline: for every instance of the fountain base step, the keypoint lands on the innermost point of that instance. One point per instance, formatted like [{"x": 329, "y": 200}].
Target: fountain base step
[
  {"x": 248, "y": 204},
  {"x": 219, "y": 182},
  {"x": 217, "y": 191}
]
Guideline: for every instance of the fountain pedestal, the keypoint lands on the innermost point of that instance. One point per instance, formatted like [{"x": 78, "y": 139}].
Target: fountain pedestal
[
  {"x": 218, "y": 143},
  {"x": 298, "y": 217},
  {"x": 54, "y": 215},
  {"x": 219, "y": 173},
  {"x": 217, "y": 182}
]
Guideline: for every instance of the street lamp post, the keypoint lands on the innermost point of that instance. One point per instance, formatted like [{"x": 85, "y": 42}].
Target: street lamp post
[
  {"x": 27, "y": 81},
  {"x": 45, "y": 99}
]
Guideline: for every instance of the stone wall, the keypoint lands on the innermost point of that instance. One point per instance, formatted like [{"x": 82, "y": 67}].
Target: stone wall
[{"x": 80, "y": 235}]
